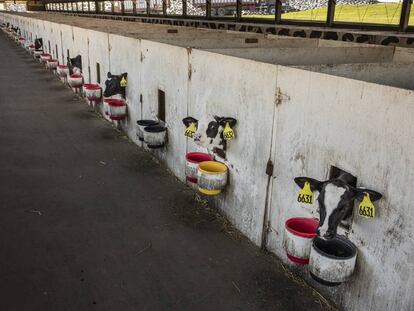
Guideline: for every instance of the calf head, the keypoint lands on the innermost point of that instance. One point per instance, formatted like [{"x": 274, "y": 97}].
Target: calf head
[
  {"x": 75, "y": 64},
  {"x": 38, "y": 44},
  {"x": 209, "y": 130},
  {"x": 336, "y": 198},
  {"x": 115, "y": 85}
]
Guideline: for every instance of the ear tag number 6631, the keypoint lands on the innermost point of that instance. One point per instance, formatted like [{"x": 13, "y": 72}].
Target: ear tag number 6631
[
  {"x": 305, "y": 195},
  {"x": 366, "y": 208}
]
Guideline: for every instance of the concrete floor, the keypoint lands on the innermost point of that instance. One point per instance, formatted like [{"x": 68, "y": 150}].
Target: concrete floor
[{"x": 90, "y": 222}]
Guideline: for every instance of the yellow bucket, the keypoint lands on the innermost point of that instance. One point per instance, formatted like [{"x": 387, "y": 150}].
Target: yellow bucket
[{"x": 212, "y": 177}]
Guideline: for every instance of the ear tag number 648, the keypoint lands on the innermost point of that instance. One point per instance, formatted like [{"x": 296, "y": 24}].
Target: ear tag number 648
[{"x": 305, "y": 196}]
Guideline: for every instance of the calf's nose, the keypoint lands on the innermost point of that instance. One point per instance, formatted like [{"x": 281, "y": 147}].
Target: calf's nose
[{"x": 197, "y": 136}]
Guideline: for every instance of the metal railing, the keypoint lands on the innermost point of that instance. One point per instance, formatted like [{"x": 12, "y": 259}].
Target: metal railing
[{"x": 274, "y": 12}]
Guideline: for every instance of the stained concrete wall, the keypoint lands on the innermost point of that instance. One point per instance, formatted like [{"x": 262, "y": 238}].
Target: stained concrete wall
[
  {"x": 236, "y": 91},
  {"x": 298, "y": 119},
  {"x": 170, "y": 75},
  {"x": 392, "y": 74},
  {"x": 364, "y": 129},
  {"x": 203, "y": 42},
  {"x": 311, "y": 56},
  {"x": 119, "y": 49}
]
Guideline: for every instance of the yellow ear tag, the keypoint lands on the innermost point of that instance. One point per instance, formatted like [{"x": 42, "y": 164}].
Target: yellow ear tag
[
  {"x": 366, "y": 207},
  {"x": 305, "y": 195},
  {"x": 123, "y": 82},
  {"x": 228, "y": 133},
  {"x": 190, "y": 130}
]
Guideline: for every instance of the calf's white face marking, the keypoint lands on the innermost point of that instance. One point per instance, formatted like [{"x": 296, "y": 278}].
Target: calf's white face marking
[
  {"x": 208, "y": 133},
  {"x": 332, "y": 196},
  {"x": 77, "y": 71}
]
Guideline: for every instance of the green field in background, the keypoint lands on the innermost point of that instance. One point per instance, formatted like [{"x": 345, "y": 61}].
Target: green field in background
[{"x": 381, "y": 13}]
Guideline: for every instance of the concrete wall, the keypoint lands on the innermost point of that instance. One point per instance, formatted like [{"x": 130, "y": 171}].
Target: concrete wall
[
  {"x": 364, "y": 129},
  {"x": 170, "y": 75},
  {"x": 311, "y": 56},
  {"x": 392, "y": 74},
  {"x": 304, "y": 121},
  {"x": 233, "y": 89},
  {"x": 203, "y": 42}
]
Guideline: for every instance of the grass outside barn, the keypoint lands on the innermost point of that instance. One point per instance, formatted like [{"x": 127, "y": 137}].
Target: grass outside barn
[{"x": 380, "y": 13}]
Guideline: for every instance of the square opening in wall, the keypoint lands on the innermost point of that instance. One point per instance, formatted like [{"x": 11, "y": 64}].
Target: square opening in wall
[
  {"x": 161, "y": 105},
  {"x": 98, "y": 73}
]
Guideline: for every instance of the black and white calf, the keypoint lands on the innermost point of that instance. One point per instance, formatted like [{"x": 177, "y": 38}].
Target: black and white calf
[
  {"x": 209, "y": 132},
  {"x": 336, "y": 200},
  {"x": 113, "y": 85},
  {"x": 75, "y": 65},
  {"x": 38, "y": 43},
  {"x": 16, "y": 29}
]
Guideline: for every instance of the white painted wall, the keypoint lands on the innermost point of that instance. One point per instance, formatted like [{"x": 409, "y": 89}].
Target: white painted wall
[
  {"x": 121, "y": 49},
  {"x": 321, "y": 120},
  {"x": 169, "y": 74},
  {"x": 312, "y": 56},
  {"x": 392, "y": 74},
  {"x": 232, "y": 88},
  {"x": 364, "y": 129}
]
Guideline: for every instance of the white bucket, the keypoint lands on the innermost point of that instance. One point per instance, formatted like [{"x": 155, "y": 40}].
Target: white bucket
[
  {"x": 116, "y": 109},
  {"x": 155, "y": 136},
  {"x": 332, "y": 261},
  {"x": 75, "y": 80},
  {"x": 45, "y": 57},
  {"x": 62, "y": 71},
  {"x": 37, "y": 54},
  {"x": 141, "y": 124},
  {"x": 92, "y": 91},
  {"x": 52, "y": 64}
]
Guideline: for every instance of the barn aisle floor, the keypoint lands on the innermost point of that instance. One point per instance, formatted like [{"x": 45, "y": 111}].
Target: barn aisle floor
[{"x": 89, "y": 222}]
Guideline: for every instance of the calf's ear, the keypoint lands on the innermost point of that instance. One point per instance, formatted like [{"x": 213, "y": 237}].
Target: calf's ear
[
  {"x": 189, "y": 120},
  {"x": 232, "y": 122},
  {"x": 347, "y": 178},
  {"x": 359, "y": 194},
  {"x": 315, "y": 185}
]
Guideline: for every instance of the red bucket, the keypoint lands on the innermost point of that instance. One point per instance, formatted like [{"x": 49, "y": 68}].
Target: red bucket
[
  {"x": 75, "y": 80},
  {"x": 192, "y": 159},
  {"x": 92, "y": 91},
  {"x": 116, "y": 109},
  {"x": 299, "y": 233}
]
